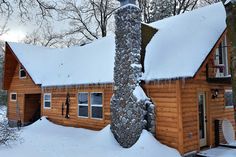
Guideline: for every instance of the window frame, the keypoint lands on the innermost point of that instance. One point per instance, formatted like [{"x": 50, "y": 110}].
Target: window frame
[
  {"x": 87, "y": 105},
  {"x": 228, "y": 107},
  {"x": 11, "y": 96},
  {"x": 47, "y": 100},
  {"x": 21, "y": 68},
  {"x": 223, "y": 52},
  {"x": 96, "y": 105}
]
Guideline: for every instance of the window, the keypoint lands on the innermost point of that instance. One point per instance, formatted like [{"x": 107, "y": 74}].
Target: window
[
  {"x": 228, "y": 98},
  {"x": 47, "y": 100},
  {"x": 83, "y": 105},
  {"x": 221, "y": 59},
  {"x": 22, "y": 73},
  {"x": 90, "y": 105},
  {"x": 13, "y": 96},
  {"x": 96, "y": 105}
]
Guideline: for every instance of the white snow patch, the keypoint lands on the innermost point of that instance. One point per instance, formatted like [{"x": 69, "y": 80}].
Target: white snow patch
[
  {"x": 49, "y": 140},
  {"x": 134, "y": 65},
  {"x": 140, "y": 94},
  {"x": 183, "y": 42},
  {"x": 219, "y": 152}
]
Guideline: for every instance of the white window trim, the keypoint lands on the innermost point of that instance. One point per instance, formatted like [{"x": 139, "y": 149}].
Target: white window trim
[
  {"x": 96, "y": 105},
  {"x": 47, "y": 100},
  {"x": 21, "y": 69},
  {"x": 224, "y": 59},
  {"x": 87, "y": 105},
  {"x": 226, "y": 56},
  {"x": 228, "y": 107},
  {"x": 11, "y": 96}
]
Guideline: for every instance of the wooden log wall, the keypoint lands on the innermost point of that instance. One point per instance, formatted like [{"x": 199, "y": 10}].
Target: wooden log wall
[
  {"x": 59, "y": 97},
  {"x": 166, "y": 97},
  {"x": 21, "y": 87},
  {"x": 215, "y": 109}
]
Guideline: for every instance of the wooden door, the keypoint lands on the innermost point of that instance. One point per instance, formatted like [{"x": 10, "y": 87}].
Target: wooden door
[{"x": 202, "y": 119}]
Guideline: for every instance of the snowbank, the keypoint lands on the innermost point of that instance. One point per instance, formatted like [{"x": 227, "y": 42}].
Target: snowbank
[{"x": 49, "y": 140}]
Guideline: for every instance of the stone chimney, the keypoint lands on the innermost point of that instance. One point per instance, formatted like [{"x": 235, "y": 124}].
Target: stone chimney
[{"x": 127, "y": 113}]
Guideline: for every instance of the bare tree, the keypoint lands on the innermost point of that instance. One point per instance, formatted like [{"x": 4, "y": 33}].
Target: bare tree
[
  {"x": 231, "y": 34},
  {"x": 40, "y": 7},
  {"x": 206, "y": 2},
  {"x": 3, "y": 28},
  {"x": 153, "y": 10},
  {"x": 44, "y": 36},
  {"x": 7, "y": 134},
  {"x": 89, "y": 19}
]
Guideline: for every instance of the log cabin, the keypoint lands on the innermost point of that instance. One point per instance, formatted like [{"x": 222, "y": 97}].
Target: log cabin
[{"x": 186, "y": 74}]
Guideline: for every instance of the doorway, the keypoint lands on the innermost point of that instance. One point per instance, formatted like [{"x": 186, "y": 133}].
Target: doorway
[
  {"x": 32, "y": 109},
  {"x": 202, "y": 119}
]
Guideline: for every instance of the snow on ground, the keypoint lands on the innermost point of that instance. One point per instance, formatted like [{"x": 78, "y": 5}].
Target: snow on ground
[
  {"x": 219, "y": 152},
  {"x": 46, "y": 139}
]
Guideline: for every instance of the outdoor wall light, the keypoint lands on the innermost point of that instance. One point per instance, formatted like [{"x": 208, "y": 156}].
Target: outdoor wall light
[{"x": 214, "y": 93}]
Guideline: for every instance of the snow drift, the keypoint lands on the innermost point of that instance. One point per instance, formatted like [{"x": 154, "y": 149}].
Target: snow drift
[{"x": 44, "y": 138}]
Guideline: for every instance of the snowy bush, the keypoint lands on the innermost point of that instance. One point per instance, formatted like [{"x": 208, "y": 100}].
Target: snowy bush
[{"x": 7, "y": 134}]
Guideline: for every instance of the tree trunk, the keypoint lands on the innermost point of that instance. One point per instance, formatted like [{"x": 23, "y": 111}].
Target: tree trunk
[{"x": 231, "y": 34}]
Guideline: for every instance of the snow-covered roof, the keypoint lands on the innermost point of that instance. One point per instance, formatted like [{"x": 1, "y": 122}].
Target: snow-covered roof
[
  {"x": 92, "y": 63},
  {"x": 176, "y": 50},
  {"x": 183, "y": 42}
]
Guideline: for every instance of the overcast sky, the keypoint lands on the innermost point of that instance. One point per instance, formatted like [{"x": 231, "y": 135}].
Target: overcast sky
[{"x": 18, "y": 29}]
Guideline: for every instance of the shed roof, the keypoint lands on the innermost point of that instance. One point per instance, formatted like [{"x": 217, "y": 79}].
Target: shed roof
[{"x": 177, "y": 50}]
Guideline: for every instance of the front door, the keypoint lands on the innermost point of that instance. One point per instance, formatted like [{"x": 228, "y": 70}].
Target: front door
[{"x": 202, "y": 119}]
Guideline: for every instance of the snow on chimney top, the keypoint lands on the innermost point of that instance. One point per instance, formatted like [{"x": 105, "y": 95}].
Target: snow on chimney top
[{"x": 124, "y": 2}]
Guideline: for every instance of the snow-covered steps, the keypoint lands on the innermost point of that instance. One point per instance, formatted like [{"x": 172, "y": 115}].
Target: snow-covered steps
[{"x": 218, "y": 152}]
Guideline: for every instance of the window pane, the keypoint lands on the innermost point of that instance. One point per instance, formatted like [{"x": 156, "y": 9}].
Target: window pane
[
  {"x": 83, "y": 111},
  {"x": 220, "y": 54},
  {"x": 47, "y": 104},
  {"x": 97, "y": 112},
  {"x": 22, "y": 73},
  {"x": 83, "y": 98},
  {"x": 13, "y": 96},
  {"x": 47, "y": 97},
  {"x": 228, "y": 98},
  {"x": 96, "y": 98}
]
